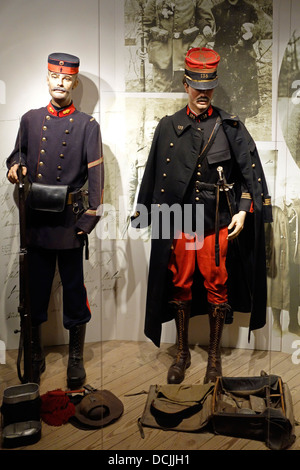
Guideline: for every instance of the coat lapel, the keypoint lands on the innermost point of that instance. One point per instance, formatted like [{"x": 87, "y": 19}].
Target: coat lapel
[{"x": 181, "y": 122}]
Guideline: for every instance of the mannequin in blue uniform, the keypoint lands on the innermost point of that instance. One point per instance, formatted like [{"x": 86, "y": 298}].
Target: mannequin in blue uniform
[{"x": 59, "y": 146}]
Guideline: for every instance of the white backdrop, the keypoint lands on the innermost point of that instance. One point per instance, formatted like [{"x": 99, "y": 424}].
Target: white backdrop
[{"x": 116, "y": 274}]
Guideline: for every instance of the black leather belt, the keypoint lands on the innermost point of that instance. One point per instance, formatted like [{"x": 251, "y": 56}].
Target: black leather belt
[{"x": 205, "y": 186}]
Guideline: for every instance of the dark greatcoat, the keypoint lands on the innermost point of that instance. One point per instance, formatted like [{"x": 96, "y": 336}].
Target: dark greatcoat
[{"x": 175, "y": 149}]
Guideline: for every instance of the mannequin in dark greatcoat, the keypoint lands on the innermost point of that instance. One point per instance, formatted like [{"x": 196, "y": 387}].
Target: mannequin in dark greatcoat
[{"x": 177, "y": 174}]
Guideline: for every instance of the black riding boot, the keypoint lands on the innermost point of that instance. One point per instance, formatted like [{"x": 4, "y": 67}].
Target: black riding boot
[
  {"x": 217, "y": 316},
  {"x": 76, "y": 373},
  {"x": 183, "y": 358},
  {"x": 38, "y": 356}
]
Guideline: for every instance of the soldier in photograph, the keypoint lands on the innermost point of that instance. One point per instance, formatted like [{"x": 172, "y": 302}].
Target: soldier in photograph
[
  {"x": 236, "y": 32},
  {"x": 284, "y": 262},
  {"x": 173, "y": 27}
]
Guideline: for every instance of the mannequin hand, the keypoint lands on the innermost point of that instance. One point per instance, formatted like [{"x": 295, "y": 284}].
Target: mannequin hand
[
  {"x": 12, "y": 175},
  {"x": 237, "y": 224}
]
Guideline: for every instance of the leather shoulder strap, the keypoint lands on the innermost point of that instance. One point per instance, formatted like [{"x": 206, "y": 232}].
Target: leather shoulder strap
[{"x": 211, "y": 139}]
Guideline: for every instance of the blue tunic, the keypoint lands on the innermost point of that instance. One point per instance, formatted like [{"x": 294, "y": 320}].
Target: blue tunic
[{"x": 61, "y": 147}]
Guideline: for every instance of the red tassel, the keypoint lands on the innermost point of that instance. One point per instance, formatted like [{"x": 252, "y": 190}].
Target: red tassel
[{"x": 56, "y": 408}]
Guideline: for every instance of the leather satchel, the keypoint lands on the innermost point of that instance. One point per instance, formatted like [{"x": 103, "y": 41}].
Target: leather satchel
[{"x": 49, "y": 198}]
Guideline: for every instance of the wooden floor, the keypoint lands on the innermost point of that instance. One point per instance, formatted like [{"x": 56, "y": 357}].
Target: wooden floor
[{"x": 127, "y": 369}]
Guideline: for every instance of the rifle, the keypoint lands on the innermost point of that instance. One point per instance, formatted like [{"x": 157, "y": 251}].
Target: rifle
[
  {"x": 24, "y": 301},
  {"x": 143, "y": 49}
]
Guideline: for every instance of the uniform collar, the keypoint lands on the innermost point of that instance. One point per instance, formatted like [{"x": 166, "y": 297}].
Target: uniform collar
[
  {"x": 182, "y": 120},
  {"x": 61, "y": 112},
  {"x": 199, "y": 117}
]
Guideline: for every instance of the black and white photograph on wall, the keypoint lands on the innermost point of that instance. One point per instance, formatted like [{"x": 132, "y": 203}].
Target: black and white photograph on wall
[
  {"x": 282, "y": 246},
  {"x": 158, "y": 34},
  {"x": 284, "y": 273},
  {"x": 284, "y": 264}
]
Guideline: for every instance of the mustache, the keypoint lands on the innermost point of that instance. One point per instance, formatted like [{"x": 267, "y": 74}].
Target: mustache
[
  {"x": 203, "y": 98},
  {"x": 58, "y": 88}
]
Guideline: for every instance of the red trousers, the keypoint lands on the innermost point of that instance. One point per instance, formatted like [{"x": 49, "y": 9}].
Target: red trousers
[{"x": 186, "y": 253}]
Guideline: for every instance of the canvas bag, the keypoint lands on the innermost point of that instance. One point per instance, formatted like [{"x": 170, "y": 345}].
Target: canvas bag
[{"x": 178, "y": 407}]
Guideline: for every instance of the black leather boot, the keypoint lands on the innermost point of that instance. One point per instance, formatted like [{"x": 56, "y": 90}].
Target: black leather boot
[
  {"x": 217, "y": 316},
  {"x": 183, "y": 358},
  {"x": 76, "y": 373},
  {"x": 37, "y": 352}
]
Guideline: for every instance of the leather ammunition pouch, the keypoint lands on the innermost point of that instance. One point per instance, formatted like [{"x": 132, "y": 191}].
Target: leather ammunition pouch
[
  {"x": 49, "y": 198},
  {"x": 258, "y": 408},
  {"x": 191, "y": 33},
  {"x": 158, "y": 34}
]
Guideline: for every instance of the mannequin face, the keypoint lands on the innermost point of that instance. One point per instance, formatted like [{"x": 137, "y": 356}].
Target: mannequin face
[
  {"x": 199, "y": 100},
  {"x": 60, "y": 87}
]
